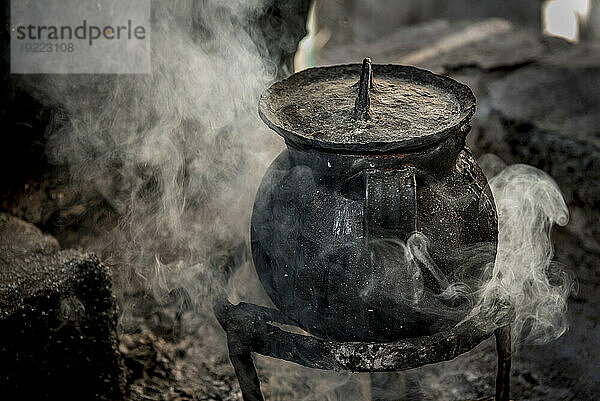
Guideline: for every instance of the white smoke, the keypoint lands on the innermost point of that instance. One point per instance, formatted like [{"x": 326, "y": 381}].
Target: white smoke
[
  {"x": 399, "y": 272},
  {"x": 178, "y": 153},
  {"x": 529, "y": 203}
]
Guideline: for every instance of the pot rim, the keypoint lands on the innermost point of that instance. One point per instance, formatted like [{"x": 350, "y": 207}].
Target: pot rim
[{"x": 462, "y": 93}]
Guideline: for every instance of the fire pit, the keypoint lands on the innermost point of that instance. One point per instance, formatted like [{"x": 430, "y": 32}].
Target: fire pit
[{"x": 372, "y": 231}]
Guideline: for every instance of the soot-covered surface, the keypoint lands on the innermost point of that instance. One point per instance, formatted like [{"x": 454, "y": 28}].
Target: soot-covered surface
[
  {"x": 57, "y": 319},
  {"x": 409, "y": 108}
]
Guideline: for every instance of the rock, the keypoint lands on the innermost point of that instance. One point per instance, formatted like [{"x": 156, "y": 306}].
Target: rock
[
  {"x": 546, "y": 115},
  {"x": 57, "y": 320},
  {"x": 444, "y": 46},
  {"x": 348, "y": 21}
]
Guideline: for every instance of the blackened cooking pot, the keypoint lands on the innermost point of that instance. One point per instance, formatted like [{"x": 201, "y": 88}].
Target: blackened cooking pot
[{"x": 375, "y": 223}]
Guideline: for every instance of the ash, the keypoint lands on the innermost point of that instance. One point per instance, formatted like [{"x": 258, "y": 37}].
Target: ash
[{"x": 165, "y": 365}]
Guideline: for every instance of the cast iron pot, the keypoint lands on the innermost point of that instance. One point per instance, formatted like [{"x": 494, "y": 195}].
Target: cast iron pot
[{"x": 375, "y": 223}]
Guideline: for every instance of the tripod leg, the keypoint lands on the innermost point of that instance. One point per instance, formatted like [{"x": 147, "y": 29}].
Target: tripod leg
[
  {"x": 503, "y": 348},
  {"x": 241, "y": 359}
]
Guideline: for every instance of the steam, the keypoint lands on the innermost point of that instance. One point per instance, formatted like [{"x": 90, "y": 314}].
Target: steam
[
  {"x": 399, "y": 271},
  {"x": 178, "y": 153},
  {"x": 524, "y": 275},
  {"x": 529, "y": 203}
]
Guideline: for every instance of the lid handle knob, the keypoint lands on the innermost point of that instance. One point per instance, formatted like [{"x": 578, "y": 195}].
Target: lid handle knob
[{"x": 363, "y": 101}]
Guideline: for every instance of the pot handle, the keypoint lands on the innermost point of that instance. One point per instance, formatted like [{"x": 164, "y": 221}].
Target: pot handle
[{"x": 390, "y": 203}]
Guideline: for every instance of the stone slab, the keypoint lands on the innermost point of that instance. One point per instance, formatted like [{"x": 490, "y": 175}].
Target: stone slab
[{"x": 57, "y": 320}]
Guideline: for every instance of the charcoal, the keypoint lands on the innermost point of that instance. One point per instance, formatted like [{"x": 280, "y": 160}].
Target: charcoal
[{"x": 57, "y": 320}]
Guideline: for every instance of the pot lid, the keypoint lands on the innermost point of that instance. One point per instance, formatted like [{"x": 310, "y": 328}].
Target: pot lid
[{"x": 368, "y": 108}]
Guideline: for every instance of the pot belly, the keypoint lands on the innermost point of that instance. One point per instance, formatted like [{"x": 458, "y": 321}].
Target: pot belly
[{"x": 311, "y": 254}]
